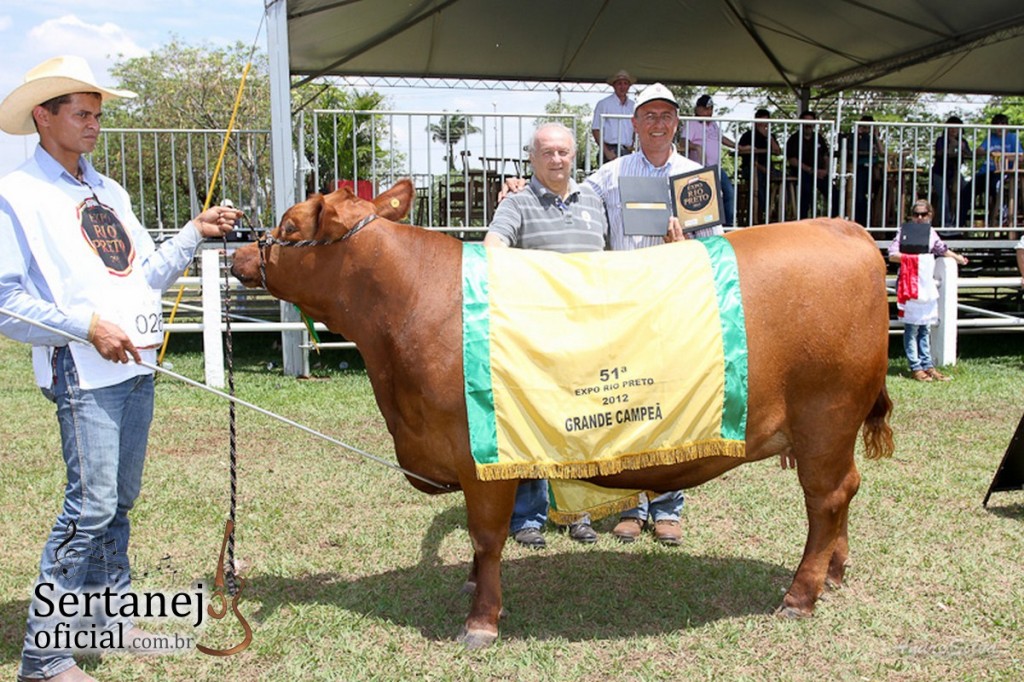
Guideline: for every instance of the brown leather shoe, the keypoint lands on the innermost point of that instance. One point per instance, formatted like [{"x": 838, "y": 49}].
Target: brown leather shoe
[
  {"x": 920, "y": 375},
  {"x": 72, "y": 674},
  {"x": 937, "y": 375},
  {"x": 628, "y": 529},
  {"x": 530, "y": 537},
  {"x": 668, "y": 532}
]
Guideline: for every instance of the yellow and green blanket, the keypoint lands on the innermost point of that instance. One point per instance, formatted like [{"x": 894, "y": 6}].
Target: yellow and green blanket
[{"x": 593, "y": 363}]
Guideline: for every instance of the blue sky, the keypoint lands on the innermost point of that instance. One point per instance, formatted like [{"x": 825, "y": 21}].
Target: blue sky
[{"x": 102, "y": 30}]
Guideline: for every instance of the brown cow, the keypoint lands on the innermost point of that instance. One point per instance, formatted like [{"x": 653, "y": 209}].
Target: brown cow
[{"x": 817, "y": 321}]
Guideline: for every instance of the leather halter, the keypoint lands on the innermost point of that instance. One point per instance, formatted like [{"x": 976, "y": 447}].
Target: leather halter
[{"x": 268, "y": 241}]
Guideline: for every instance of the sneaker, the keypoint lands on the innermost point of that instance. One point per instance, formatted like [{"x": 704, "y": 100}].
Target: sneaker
[
  {"x": 583, "y": 532},
  {"x": 668, "y": 532},
  {"x": 628, "y": 529},
  {"x": 530, "y": 537},
  {"x": 920, "y": 375},
  {"x": 937, "y": 375}
]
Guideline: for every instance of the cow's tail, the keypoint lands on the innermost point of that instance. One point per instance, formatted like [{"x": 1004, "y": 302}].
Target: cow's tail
[{"x": 877, "y": 432}]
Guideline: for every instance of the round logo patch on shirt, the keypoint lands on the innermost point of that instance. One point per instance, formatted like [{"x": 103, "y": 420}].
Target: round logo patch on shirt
[
  {"x": 106, "y": 236},
  {"x": 586, "y": 216}
]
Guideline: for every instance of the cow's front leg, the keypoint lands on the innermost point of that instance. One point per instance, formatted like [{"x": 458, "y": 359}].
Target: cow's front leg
[{"x": 489, "y": 508}]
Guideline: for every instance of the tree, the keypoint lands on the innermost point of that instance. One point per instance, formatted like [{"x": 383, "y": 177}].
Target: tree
[
  {"x": 192, "y": 86},
  {"x": 581, "y": 114},
  {"x": 449, "y": 131},
  {"x": 189, "y": 88},
  {"x": 186, "y": 94},
  {"x": 1013, "y": 107},
  {"x": 347, "y": 143}
]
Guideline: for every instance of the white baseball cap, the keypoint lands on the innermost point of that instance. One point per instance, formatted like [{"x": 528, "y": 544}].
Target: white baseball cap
[{"x": 656, "y": 92}]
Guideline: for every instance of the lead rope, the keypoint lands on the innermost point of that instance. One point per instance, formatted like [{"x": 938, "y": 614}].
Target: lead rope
[
  {"x": 232, "y": 432},
  {"x": 226, "y": 582},
  {"x": 226, "y": 570}
]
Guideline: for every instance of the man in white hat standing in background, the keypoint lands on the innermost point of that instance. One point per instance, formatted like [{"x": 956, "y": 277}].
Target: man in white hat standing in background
[
  {"x": 74, "y": 257},
  {"x": 614, "y": 136}
]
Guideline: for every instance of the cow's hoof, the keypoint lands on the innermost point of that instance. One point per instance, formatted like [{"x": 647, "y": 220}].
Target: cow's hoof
[
  {"x": 833, "y": 584},
  {"x": 469, "y": 587},
  {"x": 477, "y": 639},
  {"x": 791, "y": 612}
]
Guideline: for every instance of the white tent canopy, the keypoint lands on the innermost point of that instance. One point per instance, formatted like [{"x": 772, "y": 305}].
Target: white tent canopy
[{"x": 932, "y": 45}]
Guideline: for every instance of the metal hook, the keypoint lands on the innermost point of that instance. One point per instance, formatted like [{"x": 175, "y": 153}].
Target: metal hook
[{"x": 220, "y": 593}]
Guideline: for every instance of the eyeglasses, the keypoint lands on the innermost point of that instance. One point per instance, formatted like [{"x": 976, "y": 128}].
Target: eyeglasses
[
  {"x": 666, "y": 117},
  {"x": 921, "y": 215}
]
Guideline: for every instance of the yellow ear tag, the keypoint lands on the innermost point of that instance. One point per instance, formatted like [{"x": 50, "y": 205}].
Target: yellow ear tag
[{"x": 394, "y": 203}]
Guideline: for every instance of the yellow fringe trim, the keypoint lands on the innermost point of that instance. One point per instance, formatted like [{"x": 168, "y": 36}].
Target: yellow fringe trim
[
  {"x": 565, "y": 518},
  {"x": 716, "y": 447}
]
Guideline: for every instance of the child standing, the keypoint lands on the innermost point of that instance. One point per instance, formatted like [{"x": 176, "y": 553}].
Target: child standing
[{"x": 915, "y": 248}]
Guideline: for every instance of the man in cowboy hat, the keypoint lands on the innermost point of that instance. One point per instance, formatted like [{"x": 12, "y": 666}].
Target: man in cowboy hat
[
  {"x": 614, "y": 136},
  {"x": 74, "y": 257}
]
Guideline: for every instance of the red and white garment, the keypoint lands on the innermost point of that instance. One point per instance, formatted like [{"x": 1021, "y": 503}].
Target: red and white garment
[{"x": 917, "y": 294}]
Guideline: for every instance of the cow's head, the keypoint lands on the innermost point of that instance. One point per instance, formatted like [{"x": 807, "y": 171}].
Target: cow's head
[{"x": 318, "y": 222}]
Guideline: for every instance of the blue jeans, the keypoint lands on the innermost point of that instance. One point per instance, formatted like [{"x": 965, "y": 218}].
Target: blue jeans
[
  {"x": 728, "y": 196},
  {"x": 103, "y": 437},
  {"x": 664, "y": 507},
  {"x": 531, "y": 508},
  {"x": 917, "y": 346}
]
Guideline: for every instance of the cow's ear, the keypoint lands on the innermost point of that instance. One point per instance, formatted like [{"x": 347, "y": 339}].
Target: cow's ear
[
  {"x": 395, "y": 203},
  {"x": 324, "y": 213}
]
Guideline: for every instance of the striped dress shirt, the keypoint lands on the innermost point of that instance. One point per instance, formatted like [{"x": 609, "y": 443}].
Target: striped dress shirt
[{"x": 605, "y": 181}]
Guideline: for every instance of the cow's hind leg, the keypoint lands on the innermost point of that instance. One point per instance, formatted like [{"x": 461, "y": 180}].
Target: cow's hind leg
[
  {"x": 489, "y": 508},
  {"x": 840, "y": 556},
  {"x": 829, "y": 484}
]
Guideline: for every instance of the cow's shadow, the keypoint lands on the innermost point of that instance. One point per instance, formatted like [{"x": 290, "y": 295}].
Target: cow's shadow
[{"x": 602, "y": 593}]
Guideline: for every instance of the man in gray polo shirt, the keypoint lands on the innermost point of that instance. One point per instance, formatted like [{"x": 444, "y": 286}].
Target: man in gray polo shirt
[{"x": 556, "y": 214}]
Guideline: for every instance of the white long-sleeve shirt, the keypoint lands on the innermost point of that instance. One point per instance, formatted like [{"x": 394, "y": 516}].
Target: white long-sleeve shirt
[{"x": 51, "y": 269}]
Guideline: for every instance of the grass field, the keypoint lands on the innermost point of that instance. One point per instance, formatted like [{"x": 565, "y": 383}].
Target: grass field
[{"x": 355, "y": 576}]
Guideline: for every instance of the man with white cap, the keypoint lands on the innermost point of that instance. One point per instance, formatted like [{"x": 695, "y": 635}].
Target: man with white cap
[
  {"x": 655, "y": 119},
  {"x": 614, "y": 136},
  {"x": 74, "y": 257}
]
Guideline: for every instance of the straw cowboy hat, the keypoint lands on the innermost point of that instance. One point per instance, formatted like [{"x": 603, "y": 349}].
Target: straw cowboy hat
[
  {"x": 53, "y": 78},
  {"x": 622, "y": 74}
]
